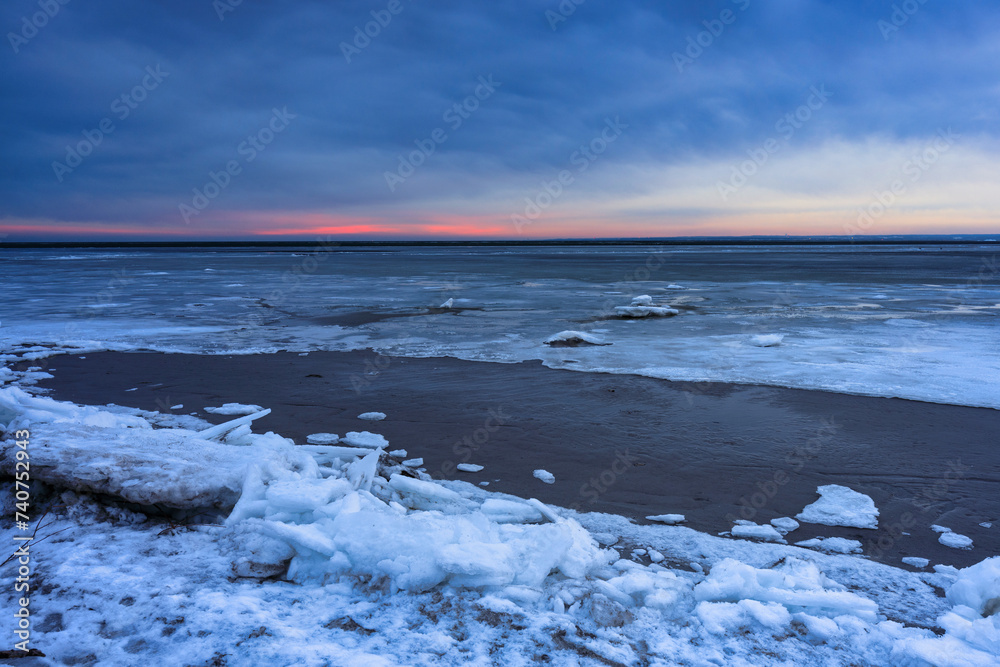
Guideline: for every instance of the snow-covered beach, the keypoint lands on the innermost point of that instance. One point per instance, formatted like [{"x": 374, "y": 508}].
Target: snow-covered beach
[
  {"x": 320, "y": 554},
  {"x": 307, "y": 506}
]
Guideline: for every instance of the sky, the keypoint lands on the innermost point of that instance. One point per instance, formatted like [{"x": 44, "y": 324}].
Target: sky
[{"x": 522, "y": 119}]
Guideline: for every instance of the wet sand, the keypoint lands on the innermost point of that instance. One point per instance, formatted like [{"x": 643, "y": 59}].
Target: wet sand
[{"x": 615, "y": 443}]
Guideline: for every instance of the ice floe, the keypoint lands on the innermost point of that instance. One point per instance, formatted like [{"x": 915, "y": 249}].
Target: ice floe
[
  {"x": 949, "y": 538},
  {"x": 234, "y": 409},
  {"x": 838, "y": 545},
  {"x": 545, "y": 476},
  {"x": 573, "y": 338},
  {"x": 642, "y": 306},
  {"x": 841, "y": 506}
]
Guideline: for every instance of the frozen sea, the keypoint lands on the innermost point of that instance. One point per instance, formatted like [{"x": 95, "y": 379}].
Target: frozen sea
[{"x": 912, "y": 321}]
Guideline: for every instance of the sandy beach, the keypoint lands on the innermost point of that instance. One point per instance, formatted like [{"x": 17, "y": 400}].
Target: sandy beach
[{"x": 619, "y": 444}]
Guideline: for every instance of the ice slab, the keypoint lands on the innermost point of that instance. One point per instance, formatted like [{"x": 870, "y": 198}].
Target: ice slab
[
  {"x": 545, "y": 476},
  {"x": 841, "y": 506}
]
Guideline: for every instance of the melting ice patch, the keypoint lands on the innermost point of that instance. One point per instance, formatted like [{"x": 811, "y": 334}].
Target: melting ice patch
[
  {"x": 841, "y": 506},
  {"x": 234, "y": 409}
]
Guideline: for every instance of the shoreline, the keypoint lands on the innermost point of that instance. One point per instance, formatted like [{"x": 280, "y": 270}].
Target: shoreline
[{"x": 619, "y": 444}]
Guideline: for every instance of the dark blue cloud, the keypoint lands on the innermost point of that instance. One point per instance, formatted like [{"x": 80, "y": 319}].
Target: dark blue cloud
[{"x": 557, "y": 87}]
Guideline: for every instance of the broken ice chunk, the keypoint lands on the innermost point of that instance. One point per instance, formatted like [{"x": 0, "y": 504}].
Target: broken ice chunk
[{"x": 545, "y": 476}]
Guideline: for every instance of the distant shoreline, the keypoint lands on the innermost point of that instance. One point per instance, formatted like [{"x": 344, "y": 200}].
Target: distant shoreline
[{"x": 964, "y": 239}]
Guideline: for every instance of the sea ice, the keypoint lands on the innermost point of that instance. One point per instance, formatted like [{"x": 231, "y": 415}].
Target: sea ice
[
  {"x": 642, "y": 306},
  {"x": 573, "y": 338},
  {"x": 235, "y": 409},
  {"x": 766, "y": 340},
  {"x": 364, "y": 439},
  {"x": 837, "y": 545},
  {"x": 219, "y": 430},
  {"x": 750, "y": 530},
  {"x": 669, "y": 519},
  {"x": 323, "y": 438},
  {"x": 916, "y": 561},
  {"x": 785, "y": 524},
  {"x": 545, "y": 476},
  {"x": 952, "y": 539},
  {"x": 372, "y": 416},
  {"x": 841, "y": 506},
  {"x": 469, "y": 467}
]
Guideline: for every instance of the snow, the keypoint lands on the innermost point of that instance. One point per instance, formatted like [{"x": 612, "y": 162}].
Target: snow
[
  {"x": 234, "y": 409},
  {"x": 232, "y": 428},
  {"x": 372, "y": 416},
  {"x": 642, "y": 306},
  {"x": 751, "y": 530},
  {"x": 978, "y": 587},
  {"x": 469, "y": 467},
  {"x": 841, "y": 506},
  {"x": 785, "y": 524},
  {"x": 954, "y": 540},
  {"x": 570, "y": 338},
  {"x": 839, "y": 545},
  {"x": 766, "y": 340},
  {"x": 91, "y": 450},
  {"x": 669, "y": 519},
  {"x": 323, "y": 438},
  {"x": 545, "y": 476},
  {"x": 915, "y": 561},
  {"x": 364, "y": 439},
  {"x": 338, "y": 555}
]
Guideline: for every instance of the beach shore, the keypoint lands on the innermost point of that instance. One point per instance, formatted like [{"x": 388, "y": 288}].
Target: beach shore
[{"x": 620, "y": 444}]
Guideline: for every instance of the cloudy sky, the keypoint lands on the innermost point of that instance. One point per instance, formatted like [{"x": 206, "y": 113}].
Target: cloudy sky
[{"x": 515, "y": 119}]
